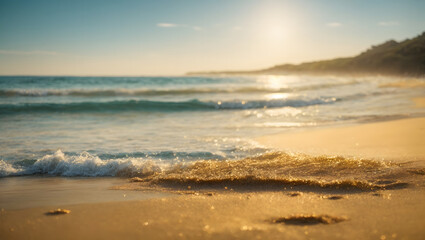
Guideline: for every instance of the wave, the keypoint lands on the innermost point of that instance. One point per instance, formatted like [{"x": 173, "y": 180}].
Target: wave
[
  {"x": 266, "y": 170},
  {"x": 114, "y": 81},
  {"x": 85, "y": 164},
  {"x": 122, "y": 92},
  {"x": 276, "y": 170},
  {"x": 149, "y": 106},
  {"x": 129, "y": 92},
  {"x": 168, "y": 155},
  {"x": 7, "y": 169}
]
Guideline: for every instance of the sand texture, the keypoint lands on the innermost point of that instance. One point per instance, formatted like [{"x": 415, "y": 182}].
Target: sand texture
[
  {"x": 395, "y": 214},
  {"x": 279, "y": 195}
]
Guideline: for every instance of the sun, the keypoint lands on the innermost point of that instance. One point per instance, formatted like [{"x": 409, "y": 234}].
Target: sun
[{"x": 275, "y": 32}]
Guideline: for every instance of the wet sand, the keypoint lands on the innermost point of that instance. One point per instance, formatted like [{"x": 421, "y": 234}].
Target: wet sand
[
  {"x": 231, "y": 209},
  {"x": 37, "y": 191},
  {"x": 399, "y": 140}
]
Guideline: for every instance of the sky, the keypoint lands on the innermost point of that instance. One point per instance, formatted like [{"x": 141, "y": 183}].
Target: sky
[{"x": 136, "y": 38}]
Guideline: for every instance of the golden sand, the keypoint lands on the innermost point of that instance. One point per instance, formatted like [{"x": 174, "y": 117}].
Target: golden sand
[
  {"x": 419, "y": 102},
  {"x": 231, "y": 215},
  {"x": 221, "y": 204},
  {"x": 401, "y": 140}
]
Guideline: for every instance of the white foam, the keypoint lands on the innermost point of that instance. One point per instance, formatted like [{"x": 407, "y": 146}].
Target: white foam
[
  {"x": 85, "y": 164},
  {"x": 7, "y": 169}
]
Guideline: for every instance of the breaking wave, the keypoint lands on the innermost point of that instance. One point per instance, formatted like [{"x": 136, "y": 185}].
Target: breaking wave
[
  {"x": 147, "y": 106},
  {"x": 122, "y": 92},
  {"x": 281, "y": 169},
  {"x": 266, "y": 170},
  {"x": 129, "y": 92},
  {"x": 85, "y": 164}
]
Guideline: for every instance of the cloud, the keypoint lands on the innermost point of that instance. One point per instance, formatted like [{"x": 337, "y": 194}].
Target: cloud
[
  {"x": 35, "y": 52},
  {"x": 167, "y": 25},
  {"x": 388, "y": 23},
  {"x": 174, "y": 25},
  {"x": 334, "y": 24}
]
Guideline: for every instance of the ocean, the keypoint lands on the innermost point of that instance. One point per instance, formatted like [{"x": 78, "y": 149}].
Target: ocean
[{"x": 136, "y": 126}]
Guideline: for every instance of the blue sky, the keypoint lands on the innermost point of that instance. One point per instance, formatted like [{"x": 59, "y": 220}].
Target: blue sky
[{"x": 173, "y": 37}]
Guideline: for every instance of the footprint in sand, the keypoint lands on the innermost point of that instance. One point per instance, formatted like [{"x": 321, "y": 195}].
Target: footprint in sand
[
  {"x": 294, "y": 194},
  {"x": 309, "y": 220},
  {"x": 336, "y": 197}
]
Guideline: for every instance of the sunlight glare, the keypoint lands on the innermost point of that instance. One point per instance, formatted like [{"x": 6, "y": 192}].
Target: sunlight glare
[
  {"x": 275, "y": 96},
  {"x": 274, "y": 82}
]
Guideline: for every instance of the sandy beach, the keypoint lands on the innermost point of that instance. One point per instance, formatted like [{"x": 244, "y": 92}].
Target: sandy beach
[
  {"x": 225, "y": 119},
  {"x": 399, "y": 140},
  {"x": 229, "y": 215},
  {"x": 259, "y": 208}
]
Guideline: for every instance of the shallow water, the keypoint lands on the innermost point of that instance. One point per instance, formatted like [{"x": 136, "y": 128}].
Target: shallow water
[
  {"x": 278, "y": 171},
  {"x": 126, "y": 126}
]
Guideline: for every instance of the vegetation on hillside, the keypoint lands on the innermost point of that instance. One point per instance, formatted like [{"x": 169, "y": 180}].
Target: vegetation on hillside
[{"x": 392, "y": 58}]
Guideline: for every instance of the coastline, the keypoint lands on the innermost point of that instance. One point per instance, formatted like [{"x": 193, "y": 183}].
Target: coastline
[
  {"x": 210, "y": 120},
  {"x": 252, "y": 212},
  {"x": 404, "y": 77}
]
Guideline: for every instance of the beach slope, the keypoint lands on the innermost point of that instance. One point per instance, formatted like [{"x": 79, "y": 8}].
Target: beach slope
[
  {"x": 392, "y": 140},
  {"x": 231, "y": 208}
]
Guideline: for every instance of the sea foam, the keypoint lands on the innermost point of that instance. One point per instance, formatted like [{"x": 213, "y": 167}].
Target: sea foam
[
  {"x": 85, "y": 164},
  {"x": 273, "y": 169},
  {"x": 7, "y": 169}
]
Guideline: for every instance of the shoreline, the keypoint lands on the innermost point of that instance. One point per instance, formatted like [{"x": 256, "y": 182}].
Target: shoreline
[{"x": 224, "y": 211}]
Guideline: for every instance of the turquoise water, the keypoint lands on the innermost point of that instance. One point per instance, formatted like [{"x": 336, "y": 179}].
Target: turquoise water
[{"x": 119, "y": 126}]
